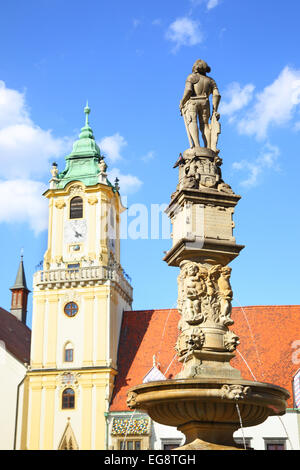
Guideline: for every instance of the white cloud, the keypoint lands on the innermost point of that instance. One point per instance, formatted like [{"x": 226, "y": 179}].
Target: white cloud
[
  {"x": 236, "y": 98},
  {"x": 149, "y": 156},
  {"x": 13, "y": 108},
  {"x": 266, "y": 160},
  {"x": 128, "y": 183},
  {"x": 297, "y": 126},
  {"x": 184, "y": 32},
  {"x": 112, "y": 145},
  {"x": 136, "y": 22},
  {"x": 25, "y": 152},
  {"x": 274, "y": 106},
  {"x": 22, "y": 202},
  {"x": 157, "y": 22},
  {"x": 212, "y": 4},
  {"x": 25, "y": 148}
]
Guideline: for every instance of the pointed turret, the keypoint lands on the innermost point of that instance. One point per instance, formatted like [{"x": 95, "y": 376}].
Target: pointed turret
[{"x": 20, "y": 294}]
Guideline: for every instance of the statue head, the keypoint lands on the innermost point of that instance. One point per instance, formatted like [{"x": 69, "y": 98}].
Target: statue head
[{"x": 201, "y": 67}]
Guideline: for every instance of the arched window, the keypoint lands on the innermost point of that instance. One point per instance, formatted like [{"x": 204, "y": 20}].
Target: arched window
[
  {"x": 68, "y": 399},
  {"x": 69, "y": 353},
  {"x": 76, "y": 208}
]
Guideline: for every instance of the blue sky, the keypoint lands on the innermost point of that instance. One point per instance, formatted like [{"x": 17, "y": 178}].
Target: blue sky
[{"x": 130, "y": 60}]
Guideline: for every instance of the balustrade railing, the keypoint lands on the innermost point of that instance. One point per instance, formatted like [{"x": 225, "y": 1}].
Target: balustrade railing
[{"x": 81, "y": 275}]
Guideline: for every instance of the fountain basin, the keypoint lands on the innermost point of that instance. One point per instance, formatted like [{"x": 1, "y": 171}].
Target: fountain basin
[{"x": 205, "y": 410}]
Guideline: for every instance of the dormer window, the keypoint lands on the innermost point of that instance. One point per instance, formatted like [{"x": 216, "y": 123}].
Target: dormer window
[{"x": 76, "y": 208}]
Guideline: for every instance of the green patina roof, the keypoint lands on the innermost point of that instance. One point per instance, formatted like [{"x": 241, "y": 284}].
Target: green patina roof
[{"x": 83, "y": 162}]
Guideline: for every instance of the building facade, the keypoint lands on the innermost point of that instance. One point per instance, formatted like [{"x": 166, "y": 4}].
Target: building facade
[{"x": 78, "y": 301}]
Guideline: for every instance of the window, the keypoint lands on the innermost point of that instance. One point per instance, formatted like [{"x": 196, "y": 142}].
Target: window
[
  {"x": 74, "y": 267},
  {"x": 130, "y": 445},
  {"x": 69, "y": 353},
  {"x": 275, "y": 444},
  {"x": 76, "y": 208},
  {"x": 240, "y": 441},
  {"x": 71, "y": 309},
  {"x": 68, "y": 399},
  {"x": 169, "y": 444},
  {"x": 275, "y": 447}
]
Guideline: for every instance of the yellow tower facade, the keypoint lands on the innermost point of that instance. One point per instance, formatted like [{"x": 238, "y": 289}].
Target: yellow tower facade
[{"x": 78, "y": 301}]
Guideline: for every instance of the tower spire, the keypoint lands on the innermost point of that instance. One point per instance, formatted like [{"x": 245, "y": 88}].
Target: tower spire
[
  {"x": 87, "y": 111},
  {"x": 20, "y": 293}
]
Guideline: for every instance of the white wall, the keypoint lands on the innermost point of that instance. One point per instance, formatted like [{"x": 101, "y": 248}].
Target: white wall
[
  {"x": 286, "y": 427},
  {"x": 11, "y": 374}
]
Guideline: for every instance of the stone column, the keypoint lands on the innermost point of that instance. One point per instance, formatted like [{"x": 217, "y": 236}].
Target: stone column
[{"x": 201, "y": 212}]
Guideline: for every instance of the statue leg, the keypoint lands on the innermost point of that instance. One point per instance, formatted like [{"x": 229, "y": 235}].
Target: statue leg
[
  {"x": 193, "y": 125},
  {"x": 201, "y": 125},
  {"x": 207, "y": 130}
]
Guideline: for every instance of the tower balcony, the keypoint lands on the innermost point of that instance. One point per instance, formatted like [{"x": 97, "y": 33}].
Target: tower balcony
[{"x": 82, "y": 277}]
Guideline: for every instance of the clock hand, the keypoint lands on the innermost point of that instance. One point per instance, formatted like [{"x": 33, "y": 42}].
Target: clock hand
[{"x": 77, "y": 234}]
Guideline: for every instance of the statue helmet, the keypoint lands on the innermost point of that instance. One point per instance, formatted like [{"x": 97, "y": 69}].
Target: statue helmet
[{"x": 201, "y": 66}]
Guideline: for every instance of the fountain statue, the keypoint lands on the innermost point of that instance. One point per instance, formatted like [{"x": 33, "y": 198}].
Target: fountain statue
[{"x": 208, "y": 400}]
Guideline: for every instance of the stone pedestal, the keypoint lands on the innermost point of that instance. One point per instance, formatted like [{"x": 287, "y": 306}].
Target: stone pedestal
[{"x": 201, "y": 211}]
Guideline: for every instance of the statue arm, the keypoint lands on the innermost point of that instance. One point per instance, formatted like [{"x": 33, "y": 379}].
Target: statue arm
[
  {"x": 216, "y": 97},
  {"x": 188, "y": 91}
]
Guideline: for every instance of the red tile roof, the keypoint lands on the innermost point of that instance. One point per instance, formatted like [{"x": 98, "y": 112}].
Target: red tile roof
[
  {"x": 15, "y": 335},
  {"x": 266, "y": 335}
]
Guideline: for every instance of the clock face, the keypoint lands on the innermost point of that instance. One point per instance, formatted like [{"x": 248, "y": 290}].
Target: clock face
[{"x": 75, "y": 231}]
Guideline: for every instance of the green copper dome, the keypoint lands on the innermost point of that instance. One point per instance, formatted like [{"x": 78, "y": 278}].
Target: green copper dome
[
  {"x": 82, "y": 164},
  {"x": 86, "y": 144}
]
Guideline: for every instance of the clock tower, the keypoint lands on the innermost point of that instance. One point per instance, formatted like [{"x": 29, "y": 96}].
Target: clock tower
[{"x": 78, "y": 301}]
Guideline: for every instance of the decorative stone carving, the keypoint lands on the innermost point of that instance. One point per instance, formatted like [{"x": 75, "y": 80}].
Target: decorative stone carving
[
  {"x": 76, "y": 189},
  {"x": 234, "y": 392},
  {"x": 193, "y": 340},
  {"x": 225, "y": 293},
  {"x": 67, "y": 379},
  {"x": 54, "y": 170},
  {"x": 92, "y": 200},
  {"x": 72, "y": 296},
  {"x": 60, "y": 203},
  {"x": 195, "y": 107},
  {"x": 231, "y": 341},
  {"x": 204, "y": 293},
  {"x": 102, "y": 167},
  {"x": 200, "y": 173},
  {"x": 131, "y": 400}
]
